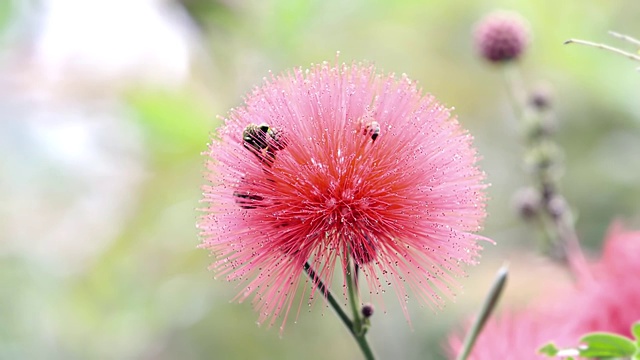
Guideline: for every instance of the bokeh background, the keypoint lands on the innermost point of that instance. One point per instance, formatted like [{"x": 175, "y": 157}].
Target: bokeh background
[{"x": 106, "y": 105}]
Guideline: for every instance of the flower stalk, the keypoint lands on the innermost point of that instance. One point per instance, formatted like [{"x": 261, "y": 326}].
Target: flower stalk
[
  {"x": 353, "y": 300},
  {"x": 355, "y": 326},
  {"x": 488, "y": 306},
  {"x": 359, "y": 331},
  {"x": 543, "y": 158},
  {"x": 327, "y": 294}
]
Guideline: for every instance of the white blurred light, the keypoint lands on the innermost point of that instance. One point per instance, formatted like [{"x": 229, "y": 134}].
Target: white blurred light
[
  {"x": 75, "y": 159},
  {"x": 102, "y": 40}
]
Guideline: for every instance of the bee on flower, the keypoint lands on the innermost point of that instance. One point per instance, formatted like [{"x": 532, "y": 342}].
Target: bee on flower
[{"x": 340, "y": 165}]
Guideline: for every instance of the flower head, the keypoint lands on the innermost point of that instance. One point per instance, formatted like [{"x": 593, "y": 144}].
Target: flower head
[
  {"x": 608, "y": 299},
  {"x": 514, "y": 335},
  {"x": 337, "y": 165},
  {"x": 501, "y": 36}
]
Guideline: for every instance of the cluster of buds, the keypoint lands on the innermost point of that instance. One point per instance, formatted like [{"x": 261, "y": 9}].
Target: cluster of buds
[{"x": 501, "y": 38}]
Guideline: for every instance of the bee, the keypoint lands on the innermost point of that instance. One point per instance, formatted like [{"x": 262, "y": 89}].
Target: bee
[
  {"x": 246, "y": 200},
  {"x": 264, "y": 141},
  {"x": 276, "y": 139},
  {"x": 372, "y": 129}
]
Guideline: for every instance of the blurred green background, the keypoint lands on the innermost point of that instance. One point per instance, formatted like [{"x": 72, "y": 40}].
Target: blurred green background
[{"x": 105, "y": 107}]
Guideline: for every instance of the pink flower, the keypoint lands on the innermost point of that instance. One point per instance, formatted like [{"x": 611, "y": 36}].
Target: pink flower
[
  {"x": 501, "y": 36},
  {"x": 338, "y": 164},
  {"x": 608, "y": 299},
  {"x": 514, "y": 335}
]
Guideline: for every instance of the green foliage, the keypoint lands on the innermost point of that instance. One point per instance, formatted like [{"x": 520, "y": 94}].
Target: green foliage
[
  {"x": 6, "y": 12},
  {"x": 600, "y": 345},
  {"x": 549, "y": 349},
  {"x": 607, "y": 345},
  {"x": 176, "y": 119},
  {"x": 635, "y": 330}
]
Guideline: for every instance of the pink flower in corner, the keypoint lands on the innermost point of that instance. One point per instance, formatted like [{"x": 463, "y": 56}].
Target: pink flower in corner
[
  {"x": 514, "y": 335},
  {"x": 338, "y": 164},
  {"x": 608, "y": 299}
]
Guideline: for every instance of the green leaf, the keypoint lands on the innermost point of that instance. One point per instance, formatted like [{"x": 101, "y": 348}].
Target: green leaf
[
  {"x": 635, "y": 330},
  {"x": 606, "y": 345},
  {"x": 549, "y": 349}
]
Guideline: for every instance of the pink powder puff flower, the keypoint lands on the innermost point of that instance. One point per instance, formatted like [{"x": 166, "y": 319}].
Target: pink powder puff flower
[
  {"x": 608, "y": 299},
  {"x": 514, "y": 335},
  {"x": 338, "y": 164}
]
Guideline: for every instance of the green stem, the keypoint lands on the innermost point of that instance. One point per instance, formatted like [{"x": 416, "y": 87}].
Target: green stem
[
  {"x": 364, "y": 346},
  {"x": 355, "y": 330},
  {"x": 490, "y": 303},
  {"x": 549, "y": 234},
  {"x": 358, "y": 330},
  {"x": 516, "y": 89},
  {"x": 353, "y": 300},
  {"x": 332, "y": 301},
  {"x": 559, "y": 228}
]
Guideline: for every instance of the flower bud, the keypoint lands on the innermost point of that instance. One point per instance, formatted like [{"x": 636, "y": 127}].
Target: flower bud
[
  {"x": 501, "y": 36},
  {"x": 367, "y": 311},
  {"x": 542, "y": 96},
  {"x": 557, "y": 206},
  {"x": 527, "y": 202}
]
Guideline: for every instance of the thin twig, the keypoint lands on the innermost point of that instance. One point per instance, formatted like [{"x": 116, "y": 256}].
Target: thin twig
[
  {"x": 604, "y": 47},
  {"x": 626, "y": 38}
]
